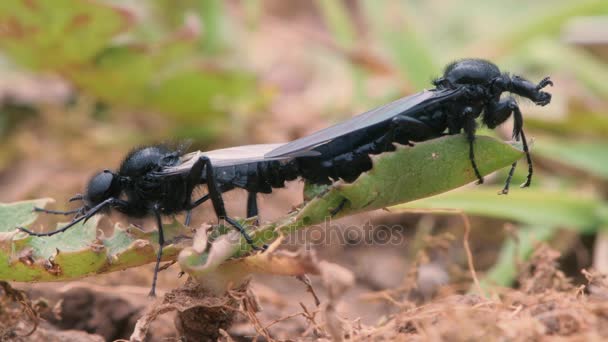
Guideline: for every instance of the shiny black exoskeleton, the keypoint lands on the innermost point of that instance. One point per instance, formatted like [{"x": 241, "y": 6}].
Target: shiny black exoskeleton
[
  {"x": 468, "y": 90},
  {"x": 160, "y": 181},
  {"x": 138, "y": 190}
]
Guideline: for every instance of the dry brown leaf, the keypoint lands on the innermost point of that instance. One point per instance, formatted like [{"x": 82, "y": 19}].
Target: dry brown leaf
[{"x": 199, "y": 242}]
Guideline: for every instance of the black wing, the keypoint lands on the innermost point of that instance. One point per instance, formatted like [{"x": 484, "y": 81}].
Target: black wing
[
  {"x": 361, "y": 121},
  {"x": 229, "y": 157}
]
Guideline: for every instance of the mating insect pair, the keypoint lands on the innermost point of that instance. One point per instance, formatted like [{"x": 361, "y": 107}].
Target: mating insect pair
[{"x": 160, "y": 181}]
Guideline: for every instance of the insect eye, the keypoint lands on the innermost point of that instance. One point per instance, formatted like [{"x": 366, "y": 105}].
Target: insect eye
[{"x": 100, "y": 187}]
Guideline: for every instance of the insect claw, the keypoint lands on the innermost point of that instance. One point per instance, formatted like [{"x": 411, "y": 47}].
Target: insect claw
[
  {"x": 544, "y": 82},
  {"x": 257, "y": 248}
]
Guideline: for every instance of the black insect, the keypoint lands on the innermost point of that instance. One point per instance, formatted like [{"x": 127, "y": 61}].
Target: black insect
[
  {"x": 468, "y": 90},
  {"x": 159, "y": 181}
]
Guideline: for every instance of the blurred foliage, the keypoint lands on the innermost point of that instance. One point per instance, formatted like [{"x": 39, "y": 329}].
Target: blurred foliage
[
  {"x": 542, "y": 213},
  {"x": 538, "y": 207},
  {"x": 129, "y": 60},
  {"x": 183, "y": 60}
]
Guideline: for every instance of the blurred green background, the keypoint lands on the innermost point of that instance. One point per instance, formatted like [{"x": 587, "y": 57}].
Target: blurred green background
[{"x": 82, "y": 82}]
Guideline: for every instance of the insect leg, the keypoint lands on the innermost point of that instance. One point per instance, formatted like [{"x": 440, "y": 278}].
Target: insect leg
[
  {"x": 88, "y": 215},
  {"x": 192, "y": 206},
  {"x": 215, "y": 194},
  {"x": 252, "y": 205},
  {"x": 408, "y": 128},
  {"x": 198, "y": 202},
  {"x": 188, "y": 217},
  {"x": 496, "y": 113},
  {"x": 518, "y": 130},
  {"x": 338, "y": 208},
  {"x": 523, "y": 87},
  {"x": 469, "y": 129},
  {"x": 159, "y": 254},
  {"x": 192, "y": 180},
  {"x": 500, "y": 112}
]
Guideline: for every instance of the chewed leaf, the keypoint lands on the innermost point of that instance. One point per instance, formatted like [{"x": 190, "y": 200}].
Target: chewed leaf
[
  {"x": 408, "y": 174},
  {"x": 411, "y": 173},
  {"x": 77, "y": 252},
  {"x": 19, "y": 214}
]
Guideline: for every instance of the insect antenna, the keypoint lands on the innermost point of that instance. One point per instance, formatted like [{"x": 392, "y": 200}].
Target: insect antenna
[
  {"x": 58, "y": 212},
  {"x": 84, "y": 218}
]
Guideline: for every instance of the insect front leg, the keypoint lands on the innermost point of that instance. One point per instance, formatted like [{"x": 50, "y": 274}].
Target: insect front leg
[
  {"x": 161, "y": 244},
  {"x": 525, "y": 88},
  {"x": 496, "y": 113},
  {"x": 252, "y": 205},
  {"x": 215, "y": 194}
]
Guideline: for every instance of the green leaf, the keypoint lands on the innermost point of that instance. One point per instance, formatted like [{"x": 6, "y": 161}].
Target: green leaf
[
  {"x": 427, "y": 169},
  {"x": 530, "y": 206},
  {"x": 77, "y": 252},
  {"x": 19, "y": 214}
]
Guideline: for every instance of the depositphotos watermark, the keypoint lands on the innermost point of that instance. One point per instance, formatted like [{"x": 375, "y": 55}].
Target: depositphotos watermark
[{"x": 329, "y": 233}]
